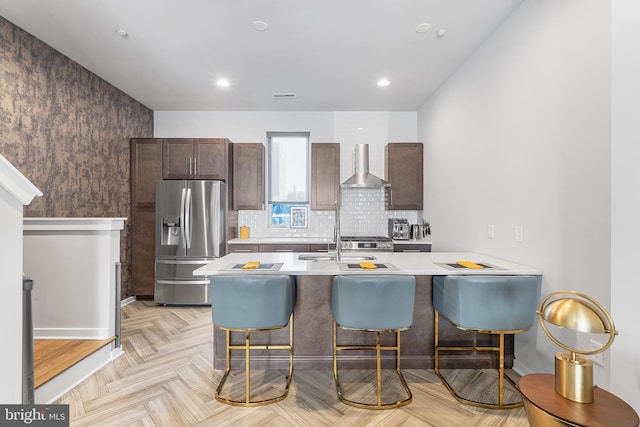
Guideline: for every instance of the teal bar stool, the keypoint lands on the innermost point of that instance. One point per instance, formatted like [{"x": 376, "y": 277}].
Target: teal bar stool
[
  {"x": 372, "y": 303},
  {"x": 251, "y": 303},
  {"x": 496, "y": 305}
]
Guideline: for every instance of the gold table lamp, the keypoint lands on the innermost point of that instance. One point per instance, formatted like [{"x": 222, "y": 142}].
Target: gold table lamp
[{"x": 581, "y": 313}]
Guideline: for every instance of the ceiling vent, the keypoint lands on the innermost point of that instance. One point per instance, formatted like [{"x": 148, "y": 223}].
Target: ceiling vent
[{"x": 284, "y": 95}]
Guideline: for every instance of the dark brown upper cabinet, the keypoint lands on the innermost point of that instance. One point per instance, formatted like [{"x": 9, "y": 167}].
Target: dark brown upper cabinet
[
  {"x": 325, "y": 175},
  {"x": 403, "y": 169},
  {"x": 189, "y": 158},
  {"x": 248, "y": 176}
]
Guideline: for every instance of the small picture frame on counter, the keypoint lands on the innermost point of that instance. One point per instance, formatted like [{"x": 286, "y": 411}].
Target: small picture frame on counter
[{"x": 298, "y": 217}]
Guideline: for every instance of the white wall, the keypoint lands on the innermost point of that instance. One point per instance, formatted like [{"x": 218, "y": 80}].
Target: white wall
[
  {"x": 11, "y": 301},
  {"x": 72, "y": 262},
  {"x": 520, "y": 135},
  {"x": 625, "y": 251},
  {"x": 16, "y": 191}
]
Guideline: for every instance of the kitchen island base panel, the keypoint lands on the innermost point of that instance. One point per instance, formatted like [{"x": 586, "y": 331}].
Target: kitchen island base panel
[{"x": 313, "y": 337}]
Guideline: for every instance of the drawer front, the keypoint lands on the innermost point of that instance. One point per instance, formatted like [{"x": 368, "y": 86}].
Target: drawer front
[
  {"x": 322, "y": 247},
  {"x": 244, "y": 248},
  {"x": 410, "y": 247},
  {"x": 284, "y": 248}
]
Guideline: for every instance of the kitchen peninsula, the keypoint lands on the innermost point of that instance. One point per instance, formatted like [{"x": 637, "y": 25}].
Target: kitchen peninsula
[{"x": 313, "y": 318}]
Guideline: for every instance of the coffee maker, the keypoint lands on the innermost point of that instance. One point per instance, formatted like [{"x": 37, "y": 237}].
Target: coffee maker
[{"x": 399, "y": 229}]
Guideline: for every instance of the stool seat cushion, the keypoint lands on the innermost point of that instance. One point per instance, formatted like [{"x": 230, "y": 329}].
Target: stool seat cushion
[
  {"x": 492, "y": 303},
  {"x": 373, "y": 302},
  {"x": 252, "y": 301}
]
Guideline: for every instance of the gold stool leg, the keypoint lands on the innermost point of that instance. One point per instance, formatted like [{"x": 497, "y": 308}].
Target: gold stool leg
[
  {"x": 501, "y": 371},
  {"x": 501, "y": 374},
  {"x": 436, "y": 346},
  {"x": 378, "y": 370},
  {"x": 247, "y": 347},
  {"x": 378, "y": 349},
  {"x": 247, "y": 370}
]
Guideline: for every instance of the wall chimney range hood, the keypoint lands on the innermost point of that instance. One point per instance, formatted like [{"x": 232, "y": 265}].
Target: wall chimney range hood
[{"x": 362, "y": 178}]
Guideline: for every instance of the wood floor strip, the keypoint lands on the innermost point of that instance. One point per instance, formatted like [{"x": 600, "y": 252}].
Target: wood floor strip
[{"x": 52, "y": 357}]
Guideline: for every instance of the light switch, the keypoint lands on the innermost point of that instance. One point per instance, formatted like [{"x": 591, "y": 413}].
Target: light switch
[{"x": 519, "y": 234}]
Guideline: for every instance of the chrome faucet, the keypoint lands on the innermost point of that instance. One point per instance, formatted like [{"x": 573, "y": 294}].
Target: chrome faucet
[{"x": 336, "y": 229}]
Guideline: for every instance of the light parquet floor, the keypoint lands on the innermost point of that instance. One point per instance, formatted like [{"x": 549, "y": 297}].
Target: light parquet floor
[{"x": 166, "y": 378}]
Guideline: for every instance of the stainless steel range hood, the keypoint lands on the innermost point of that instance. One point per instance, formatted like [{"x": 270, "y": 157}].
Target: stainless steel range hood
[{"x": 362, "y": 178}]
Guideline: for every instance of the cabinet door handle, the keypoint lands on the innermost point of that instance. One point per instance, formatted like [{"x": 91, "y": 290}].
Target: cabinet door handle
[
  {"x": 241, "y": 250},
  {"x": 195, "y": 166},
  {"x": 190, "y": 168},
  {"x": 284, "y": 250}
]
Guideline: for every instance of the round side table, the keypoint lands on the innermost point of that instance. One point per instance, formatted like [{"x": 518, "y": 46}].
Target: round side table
[{"x": 547, "y": 408}]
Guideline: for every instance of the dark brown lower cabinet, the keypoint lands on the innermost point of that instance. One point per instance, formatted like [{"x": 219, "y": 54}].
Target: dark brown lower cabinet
[{"x": 143, "y": 251}]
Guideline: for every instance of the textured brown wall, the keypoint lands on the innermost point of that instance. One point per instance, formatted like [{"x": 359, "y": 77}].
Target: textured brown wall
[{"x": 68, "y": 131}]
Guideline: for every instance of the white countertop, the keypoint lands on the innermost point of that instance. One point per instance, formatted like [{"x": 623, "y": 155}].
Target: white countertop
[
  {"x": 418, "y": 264},
  {"x": 73, "y": 223}
]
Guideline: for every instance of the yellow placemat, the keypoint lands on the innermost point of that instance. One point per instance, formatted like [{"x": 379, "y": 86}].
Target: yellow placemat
[
  {"x": 469, "y": 264},
  {"x": 251, "y": 265},
  {"x": 368, "y": 265}
]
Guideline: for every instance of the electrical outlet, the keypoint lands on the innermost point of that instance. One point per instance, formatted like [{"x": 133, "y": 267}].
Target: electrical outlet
[
  {"x": 598, "y": 359},
  {"x": 519, "y": 234},
  {"x": 490, "y": 231}
]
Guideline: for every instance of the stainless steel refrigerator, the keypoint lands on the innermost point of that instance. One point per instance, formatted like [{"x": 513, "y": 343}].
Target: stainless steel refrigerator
[{"x": 190, "y": 232}]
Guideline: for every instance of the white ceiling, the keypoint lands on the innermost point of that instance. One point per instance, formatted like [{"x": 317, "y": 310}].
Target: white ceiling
[{"x": 330, "y": 53}]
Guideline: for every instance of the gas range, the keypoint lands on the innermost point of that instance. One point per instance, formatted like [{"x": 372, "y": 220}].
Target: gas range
[{"x": 366, "y": 243}]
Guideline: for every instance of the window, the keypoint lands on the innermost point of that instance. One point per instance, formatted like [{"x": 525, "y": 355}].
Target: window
[{"x": 288, "y": 174}]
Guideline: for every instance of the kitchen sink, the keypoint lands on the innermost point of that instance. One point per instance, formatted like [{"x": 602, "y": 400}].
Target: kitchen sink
[{"x": 329, "y": 257}]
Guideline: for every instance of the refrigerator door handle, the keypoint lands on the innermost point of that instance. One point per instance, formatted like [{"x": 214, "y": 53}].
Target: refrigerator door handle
[
  {"x": 187, "y": 218},
  {"x": 182, "y": 218},
  {"x": 217, "y": 230}
]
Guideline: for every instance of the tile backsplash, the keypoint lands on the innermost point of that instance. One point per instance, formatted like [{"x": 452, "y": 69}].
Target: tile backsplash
[{"x": 363, "y": 213}]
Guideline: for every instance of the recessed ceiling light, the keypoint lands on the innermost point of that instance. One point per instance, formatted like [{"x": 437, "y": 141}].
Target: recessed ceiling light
[
  {"x": 383, "y": 82},
  {"x": 259, "y": 25},
  {"x": 223, "y": 82},
  {"x": 122, "y": 32},
  {"x": 441, "y": 32},
  {"x": 423, "y": 28}
]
